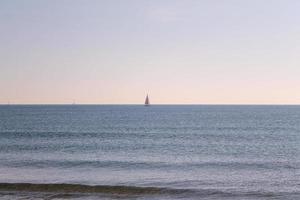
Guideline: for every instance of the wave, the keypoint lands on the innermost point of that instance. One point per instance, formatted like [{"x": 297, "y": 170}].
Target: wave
[
  {"x": 78, "y": 188},
  {"x": 149, "y": 165},
  {"x": 66, "y": 189}
]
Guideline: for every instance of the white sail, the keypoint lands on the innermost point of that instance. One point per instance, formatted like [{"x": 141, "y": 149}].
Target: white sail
[{"x": 147, "y": 102}]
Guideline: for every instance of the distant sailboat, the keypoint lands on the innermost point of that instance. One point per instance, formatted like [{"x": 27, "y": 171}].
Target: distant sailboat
[{"x": 147, "y": 102}]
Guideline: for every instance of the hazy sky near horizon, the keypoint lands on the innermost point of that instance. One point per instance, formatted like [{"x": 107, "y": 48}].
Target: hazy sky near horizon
[{"x": 116, "y": 51}]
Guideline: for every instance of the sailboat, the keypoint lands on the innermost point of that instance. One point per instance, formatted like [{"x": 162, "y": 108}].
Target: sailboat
[{"x": 147, "y": 102}]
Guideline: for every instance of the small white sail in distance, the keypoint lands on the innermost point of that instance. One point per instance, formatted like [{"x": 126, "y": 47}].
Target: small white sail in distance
[{"x": 147, "y": 102}]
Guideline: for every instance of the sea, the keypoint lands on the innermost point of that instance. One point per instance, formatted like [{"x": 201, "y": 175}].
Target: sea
[{"x": 207, "y": 152}]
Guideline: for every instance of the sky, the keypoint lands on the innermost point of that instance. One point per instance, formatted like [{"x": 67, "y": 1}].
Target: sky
[{"x": 179, "y": 52}]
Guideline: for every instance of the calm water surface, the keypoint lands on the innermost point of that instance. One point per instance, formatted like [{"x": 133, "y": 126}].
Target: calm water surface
[{"x": 156, "y": 152}]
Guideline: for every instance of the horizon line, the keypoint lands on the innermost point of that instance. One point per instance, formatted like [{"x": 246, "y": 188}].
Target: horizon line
[{"x": 158, "y": 104}]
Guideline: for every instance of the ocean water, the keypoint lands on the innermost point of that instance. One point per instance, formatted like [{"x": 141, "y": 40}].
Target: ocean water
[{"x": 156, "y": 152}]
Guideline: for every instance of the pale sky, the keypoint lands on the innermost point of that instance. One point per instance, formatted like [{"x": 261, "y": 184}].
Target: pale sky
[{"x": 178, "y": 51}]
